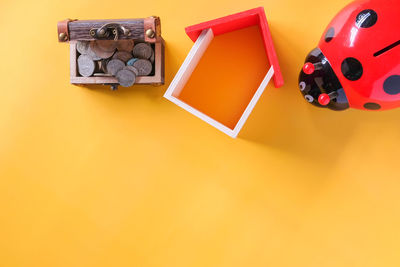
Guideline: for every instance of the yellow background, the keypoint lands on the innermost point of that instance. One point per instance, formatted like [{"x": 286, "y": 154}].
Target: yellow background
[{"x": 91, "y": 177}]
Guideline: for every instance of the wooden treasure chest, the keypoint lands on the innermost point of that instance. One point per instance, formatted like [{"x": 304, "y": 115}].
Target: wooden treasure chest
[{"x": 114, "y": 52}]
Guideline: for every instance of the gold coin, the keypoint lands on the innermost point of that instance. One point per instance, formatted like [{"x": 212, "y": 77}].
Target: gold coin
[
  {"x": 100, "y": 52},
  {"x": 107, "y": 45}
]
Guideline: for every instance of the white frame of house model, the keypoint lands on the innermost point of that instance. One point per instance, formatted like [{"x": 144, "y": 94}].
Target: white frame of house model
[{"x": 199, "y": 48}]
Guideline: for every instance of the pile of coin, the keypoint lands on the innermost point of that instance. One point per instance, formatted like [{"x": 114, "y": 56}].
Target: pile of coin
[{"x": 122, "y": 59}]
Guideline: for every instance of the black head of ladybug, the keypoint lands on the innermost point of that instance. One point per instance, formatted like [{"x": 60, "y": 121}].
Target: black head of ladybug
[{"x": 319, "y": 84}]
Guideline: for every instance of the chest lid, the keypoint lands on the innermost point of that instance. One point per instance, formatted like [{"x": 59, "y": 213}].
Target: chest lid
[{"x": 145, "y": 29}]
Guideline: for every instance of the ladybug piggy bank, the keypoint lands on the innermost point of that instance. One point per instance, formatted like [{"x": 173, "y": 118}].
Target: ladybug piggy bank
[{"x": 357, "y": 62}]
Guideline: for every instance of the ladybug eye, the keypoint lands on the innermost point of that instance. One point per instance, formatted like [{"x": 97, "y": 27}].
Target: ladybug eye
[{"x": 366, "y": 18}]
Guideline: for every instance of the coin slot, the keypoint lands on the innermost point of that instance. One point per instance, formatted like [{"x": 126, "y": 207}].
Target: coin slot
[{"x": 386, "y": 49}]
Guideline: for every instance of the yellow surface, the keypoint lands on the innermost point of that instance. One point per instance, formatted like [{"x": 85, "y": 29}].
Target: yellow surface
[{"x": 99, "y": 178}]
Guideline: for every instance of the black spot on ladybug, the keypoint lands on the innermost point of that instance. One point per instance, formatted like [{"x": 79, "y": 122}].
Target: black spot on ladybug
[
  {"x": 372, "y": 106},
  {"x": 329, "y": 35},
  {"x": 391, "y": 85},
  {"x": 366, "y": 18},
  {"x": 352, "y": 69}
]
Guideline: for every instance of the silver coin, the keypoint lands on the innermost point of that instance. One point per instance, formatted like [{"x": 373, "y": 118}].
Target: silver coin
[
  {"x": 125, "y": 45},
  {"x": 115, "y": 65},
  {"x": 86, "y": 65},
  {"x": 142, "y": 50},
  {"x": 143, "y": 66},
  {"x": 100, "y": 74},
  {"x": 133, "y": 69},
  {"x": 123, "y": 56},
  {"x": 82, "y": 47},
  {"x": 126, "y": 77},
  {"x": 152, "y": 58},
  {"x": 92, "y": 54},
  {"x": 131, "y": 61}
]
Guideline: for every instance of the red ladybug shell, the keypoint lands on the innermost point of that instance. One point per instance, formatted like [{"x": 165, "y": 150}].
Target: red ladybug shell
[{"x": 362, "y": 44}]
